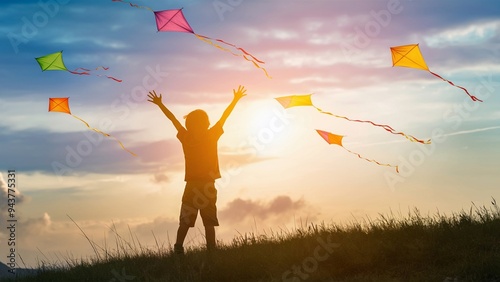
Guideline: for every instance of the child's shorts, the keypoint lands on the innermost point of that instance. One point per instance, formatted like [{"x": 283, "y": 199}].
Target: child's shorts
[{"x": 199, "y": 196}]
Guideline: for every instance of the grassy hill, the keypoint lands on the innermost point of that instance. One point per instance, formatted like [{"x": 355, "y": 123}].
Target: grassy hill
[{"x": 464, "y": 246}]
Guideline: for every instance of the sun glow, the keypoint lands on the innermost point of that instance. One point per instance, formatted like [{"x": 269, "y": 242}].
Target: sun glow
[{"x": 269, "y": 126}]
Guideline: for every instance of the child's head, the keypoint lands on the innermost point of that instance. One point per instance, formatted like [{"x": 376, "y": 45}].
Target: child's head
[{"x": 197, "y": 120}]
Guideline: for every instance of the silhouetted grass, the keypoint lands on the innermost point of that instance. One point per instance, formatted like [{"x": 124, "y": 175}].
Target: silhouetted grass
[{"x": 464, "y": 246}]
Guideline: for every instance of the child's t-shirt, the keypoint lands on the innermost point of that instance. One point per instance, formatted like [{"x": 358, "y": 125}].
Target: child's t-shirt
[{"x": 200, "y": 154}]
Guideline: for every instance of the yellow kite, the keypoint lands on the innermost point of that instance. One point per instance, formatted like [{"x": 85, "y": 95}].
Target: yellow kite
[
  {"x": 410, "y": 56},
  {"x": 305, "y": 100},
  {"x": 62, "y": 105},
  {"x": 331, "y": 138}
]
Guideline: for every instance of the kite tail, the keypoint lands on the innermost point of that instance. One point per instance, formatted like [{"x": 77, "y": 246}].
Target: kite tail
[
  {"x": 239, "y": 48},
  {"x": 84, "y": 72},
  {"x": 115, "y": 79},
  {"x": 134, "y": 5},
  {"x": 207, "y": 40},
  {"x": 384, "y": 126},
  {"x": 474, "y": 98},
  {"x": 254, "y": 60},
  {"x": 83, "y": 69},
  {"x": 372, "y": 161},
  {"x": 259, "y": 67},
  {"x": 110, "y": 77},
  {"x": 123, "y": 147},
  {"x": 87, "y": 72},
  {"x": 105, "y": 134}
]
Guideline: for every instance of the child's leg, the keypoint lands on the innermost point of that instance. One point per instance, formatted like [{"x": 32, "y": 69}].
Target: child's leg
[
  {"x": 210, "y": 237},
  {"x": 209, "y": 214},
  {"x": 181, "y": 234},
  {"x": 187, "y": 219}
]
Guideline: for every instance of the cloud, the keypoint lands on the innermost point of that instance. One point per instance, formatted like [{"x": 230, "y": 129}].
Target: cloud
[
  {"x": 281, "y": 206},
  {"x": 68, "y": 153},
  {"x": 36, "y": 226},
  {"x": 27, "y": 225},
  {"x": 470, "y": 34},
  {"x": 79, "y": 153},
  {"x": 6, "y": 197},
  {"x": 160, "y": 178},
  {"x": 158, "y": 227},
  {"x": 471, "y": 131}
]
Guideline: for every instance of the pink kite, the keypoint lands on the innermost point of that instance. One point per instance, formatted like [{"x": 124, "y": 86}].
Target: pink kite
[{"x": 174, "y": 21}]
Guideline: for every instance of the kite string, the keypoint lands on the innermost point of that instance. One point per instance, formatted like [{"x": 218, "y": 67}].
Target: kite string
[
  {"x": 384, "y": 126},
  {"x": 373, "y": 161},
  {"x": 474, "y": 98},
  {"x": 105, "y": 134}
]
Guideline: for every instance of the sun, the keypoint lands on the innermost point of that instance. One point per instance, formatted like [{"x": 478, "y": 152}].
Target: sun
[{"x": 268, "y": 125}]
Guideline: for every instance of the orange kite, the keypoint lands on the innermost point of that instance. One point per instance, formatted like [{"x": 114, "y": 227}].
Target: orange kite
[
  {"x": 410, "y": 56},
  {"x": 305, "y": 100},
  {"x": 331, "y": 138},
  {"x": 62, "y": 105}
]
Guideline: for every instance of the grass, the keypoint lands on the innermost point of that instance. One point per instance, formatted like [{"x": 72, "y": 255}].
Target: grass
[{"x": 464, "y": 246}]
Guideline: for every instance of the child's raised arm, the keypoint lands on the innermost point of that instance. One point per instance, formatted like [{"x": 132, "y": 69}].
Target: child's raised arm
[
  {"x": 238, "y": 94},
  {"x": 155, "y": 99}
]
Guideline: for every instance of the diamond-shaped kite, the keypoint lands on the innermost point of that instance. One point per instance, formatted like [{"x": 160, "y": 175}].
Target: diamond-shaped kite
[
  {"x": 55, "y": 61},
  {"x": 331, "y": 138},
  {"x": 174, "y": 21},
  {"x": 305, "y": 100},
  {"x": 62, "y": 105},
  {"x": 410, "y": 56}
]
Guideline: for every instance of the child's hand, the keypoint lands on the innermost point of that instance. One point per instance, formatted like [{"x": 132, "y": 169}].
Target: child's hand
[
  {"x": 155, "y": 99},
  {"x": 238, "y": 94}
]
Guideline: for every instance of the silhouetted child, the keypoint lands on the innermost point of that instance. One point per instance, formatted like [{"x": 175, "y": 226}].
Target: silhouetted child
[{"x": 199, "y": 143}]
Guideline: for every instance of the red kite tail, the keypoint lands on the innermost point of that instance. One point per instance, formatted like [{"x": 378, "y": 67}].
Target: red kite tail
[
  {"x": 372, "y": 161},
  {"x": 474, "y": 98},
  {"x": 87, "y": 72},
  {"x": 254, "y": 60},
  {"x": 104, "y": 134},
  {"x": 84, "y": 72},
  {"x": 83, "y": 69},
  {"x": 384, "y": 126},
  {"x": 209, "y": 41},
  {"x": 110, "y": 77},
  {"x": 133, "y": 5},
  {"x": 241, "y": 49},
  {"x": 115, "y": 79}
]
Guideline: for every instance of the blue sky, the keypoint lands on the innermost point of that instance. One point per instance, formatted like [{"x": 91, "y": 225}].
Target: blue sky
[{"x": 276, "y": 169}]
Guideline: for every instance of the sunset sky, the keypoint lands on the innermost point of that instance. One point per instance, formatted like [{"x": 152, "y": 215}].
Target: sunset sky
[{"x": 278, "y": 173}]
